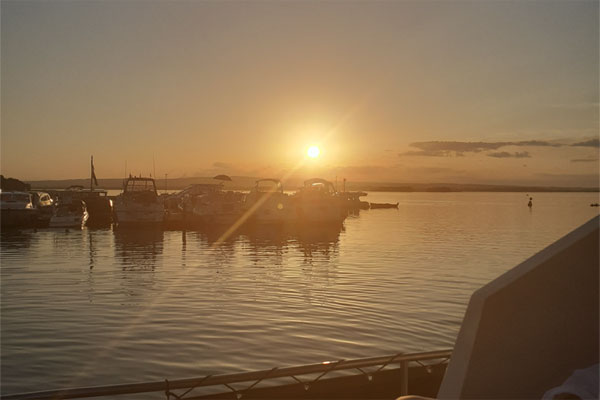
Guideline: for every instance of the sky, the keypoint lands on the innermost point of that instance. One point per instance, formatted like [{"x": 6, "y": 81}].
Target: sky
[{"x": 498, "y": 92}]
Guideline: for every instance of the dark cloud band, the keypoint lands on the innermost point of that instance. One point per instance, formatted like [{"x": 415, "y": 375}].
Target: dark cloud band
[
  {"x": 588, "y": 143},
  {"x": 577, "y": 160},
  {"x": 506, "y": 154},
  {"x": 452, "y": 148}
]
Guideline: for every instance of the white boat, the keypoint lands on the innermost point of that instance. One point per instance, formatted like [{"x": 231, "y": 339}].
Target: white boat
[
  {"x": 17, "y": 209},
  {"x": 268, "y": 204},
  {"x": 318, "y": 202},
  {"x": 44, "y": 206},
  {"x": 97, "y": 202},
  {"x": 69, "y": 215},
  {"x": 211, "y": 205},
  {"x": 139, "y": 203}
]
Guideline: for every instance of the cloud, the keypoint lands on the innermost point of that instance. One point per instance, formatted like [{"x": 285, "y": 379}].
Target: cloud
[
  {"x": 540, "y": 143},
  {"x": 364, "y": 170},
  {"x": 588, "y": 143},
  {"x": 575, "y": 106},
  {"x": 506, "y": 154},
  {"x": 222, "y": 165},
  {"x": 457, "y": 146},
  {"x": 436, "y": 170},
  {"x": 426, "y": 153},
  {"x": 452, "y": 148},
  {"x": 584, "y": 160}
]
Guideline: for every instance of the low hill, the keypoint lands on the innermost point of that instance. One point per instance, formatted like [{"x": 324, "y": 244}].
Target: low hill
[{"x": 12, "y": 184}]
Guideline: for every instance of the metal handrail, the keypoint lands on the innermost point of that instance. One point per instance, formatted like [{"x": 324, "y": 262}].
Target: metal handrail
[{"x": 225, "y": 379}]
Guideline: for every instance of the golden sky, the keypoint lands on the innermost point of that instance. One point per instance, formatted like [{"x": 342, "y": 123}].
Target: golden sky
[{"x": 398, "y": 91}]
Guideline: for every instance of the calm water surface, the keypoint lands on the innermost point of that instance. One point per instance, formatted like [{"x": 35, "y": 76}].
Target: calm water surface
[{"x": 93, "y": 307}]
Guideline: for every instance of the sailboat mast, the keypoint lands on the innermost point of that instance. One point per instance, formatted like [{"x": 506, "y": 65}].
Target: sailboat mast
[{"x": 92, "y": 174}]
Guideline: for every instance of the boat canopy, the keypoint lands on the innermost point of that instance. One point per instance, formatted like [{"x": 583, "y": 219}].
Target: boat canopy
[
  {"x": 223, "y": 178},
  {"x": 318, "y": 184},
  {"x": 268, "y": 185}
]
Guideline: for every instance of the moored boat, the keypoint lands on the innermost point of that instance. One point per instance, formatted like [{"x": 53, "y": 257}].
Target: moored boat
[
  {"x": 384, "y": 205},
  {"x": 318, "y": 202},
  {"x": 203, "y": 204},
  {"x": 99, "y": 205},
  {"x": 139, "y": 203},
  {"x": 44, "y": 206},
  {"x": 216, "y": 206},
  {"x": 69, "y": 215},
  {"x": 351, "y": 200},
  {"x": 17, "y": 209},
  {"x": 268, "y": 204}
]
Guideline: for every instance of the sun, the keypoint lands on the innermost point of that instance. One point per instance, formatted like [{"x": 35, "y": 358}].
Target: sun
[{"x": 313, "y": 152}]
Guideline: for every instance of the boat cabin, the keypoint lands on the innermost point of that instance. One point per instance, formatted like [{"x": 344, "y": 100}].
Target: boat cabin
[
  {"x": 139, "y": 184},
  {"x": 268, "y": 186},
  {"x": 15, "y": 200},
  {"x": 318, "y": 187},
  {"x": 42, "y": 199},
  {"x": 75, "y": 207}
]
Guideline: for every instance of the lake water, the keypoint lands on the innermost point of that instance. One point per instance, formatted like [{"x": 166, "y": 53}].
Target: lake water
[{"x": 93, "y": 307}]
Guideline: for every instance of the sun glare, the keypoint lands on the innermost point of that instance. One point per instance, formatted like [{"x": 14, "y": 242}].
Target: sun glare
[{"x": 313, "y": 152}]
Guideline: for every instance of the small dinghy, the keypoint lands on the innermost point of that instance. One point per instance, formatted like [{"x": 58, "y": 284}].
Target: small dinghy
[
  {"x": 69, "y": 215},
  {"x": 383, "y": 205}
]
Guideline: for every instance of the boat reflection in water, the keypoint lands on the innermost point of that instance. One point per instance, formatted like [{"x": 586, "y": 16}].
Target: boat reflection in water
[
  {"x": 138, "y": 249},
  {"x": 15, "y": 242},
  {"x": 141, "y": 249},
  {"x": 307, "y": 238}
]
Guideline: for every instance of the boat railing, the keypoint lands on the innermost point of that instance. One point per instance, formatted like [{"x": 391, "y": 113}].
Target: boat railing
[{"x": 317, "y": 371}]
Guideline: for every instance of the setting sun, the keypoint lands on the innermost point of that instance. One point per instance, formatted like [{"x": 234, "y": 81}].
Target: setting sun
[{"x": 313, "y": 152}]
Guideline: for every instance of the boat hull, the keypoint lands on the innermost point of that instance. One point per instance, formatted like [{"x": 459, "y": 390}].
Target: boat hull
[
  {"x": 69, "y": 221},
  {"x": 139, "y": 214},
  {"x": 320, "y": 211},
  {"x": 269, "y": 209},
  {"x": 15, "y": 218},
  {"x": 100, "y": 209}
]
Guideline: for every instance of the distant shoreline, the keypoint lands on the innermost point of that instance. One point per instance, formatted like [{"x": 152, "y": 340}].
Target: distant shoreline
[{"x": 246, "y": 183}]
